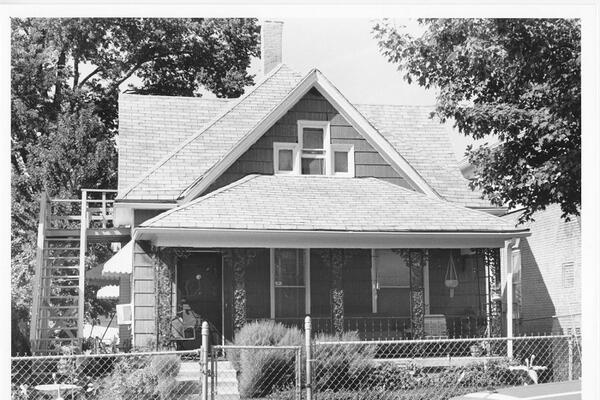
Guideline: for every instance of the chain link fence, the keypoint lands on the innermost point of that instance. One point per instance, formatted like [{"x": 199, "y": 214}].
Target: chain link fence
[
  {"x": 252, "y": 372},
  {"x": 322, "y": 369},
  {"x": 123, "y": 376},
  {"x": 442, "y": 368}
]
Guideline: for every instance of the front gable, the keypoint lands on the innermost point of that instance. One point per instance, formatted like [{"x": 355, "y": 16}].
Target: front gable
[{"x": 313, "y": 106}]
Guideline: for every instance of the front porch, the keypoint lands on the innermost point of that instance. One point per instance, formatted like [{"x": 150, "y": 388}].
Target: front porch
[{"x": 382, "y": 294}]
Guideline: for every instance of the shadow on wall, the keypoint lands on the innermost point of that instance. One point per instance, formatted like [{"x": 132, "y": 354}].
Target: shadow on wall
[{"x": 537, "y": 307}]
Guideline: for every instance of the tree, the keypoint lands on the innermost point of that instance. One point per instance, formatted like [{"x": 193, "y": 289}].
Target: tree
[
  {"x": 66, "y": 75},
  {"x": 513, "y": 81}
]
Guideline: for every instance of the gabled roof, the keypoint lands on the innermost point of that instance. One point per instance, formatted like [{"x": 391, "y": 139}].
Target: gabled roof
[
  {"x": 318, "y": 203},
  {"x": 190, "y": 160},
  {"x": 409, "y": 138},
  {"x": 152, "y": 126},
  {"x": 425, "y": 144}
]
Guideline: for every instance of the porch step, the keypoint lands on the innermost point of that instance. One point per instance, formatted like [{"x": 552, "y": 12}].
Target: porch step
[{"x": 226, "y": 387}]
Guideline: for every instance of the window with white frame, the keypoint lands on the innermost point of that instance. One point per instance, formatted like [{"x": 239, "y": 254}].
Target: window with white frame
[
  {"x": 313, "y": 154},
  {"x": 285, "y": 158},
  {"x": 289, "y": 274}
]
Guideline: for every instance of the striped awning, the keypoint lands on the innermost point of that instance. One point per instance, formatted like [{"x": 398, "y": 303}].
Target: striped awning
[{"x": 120, "y": 263}]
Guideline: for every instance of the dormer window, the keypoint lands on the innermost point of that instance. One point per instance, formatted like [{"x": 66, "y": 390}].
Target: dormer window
[{"x": 313, "y": 154}]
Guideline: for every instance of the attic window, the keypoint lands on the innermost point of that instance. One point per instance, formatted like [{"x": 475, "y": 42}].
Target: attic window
[
  {"x": 313, "y": 140},
  {"x": 313, "y": 154}
]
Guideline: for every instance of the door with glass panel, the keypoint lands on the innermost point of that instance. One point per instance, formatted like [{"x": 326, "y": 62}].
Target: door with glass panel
[{"x": 288, "y": 283}]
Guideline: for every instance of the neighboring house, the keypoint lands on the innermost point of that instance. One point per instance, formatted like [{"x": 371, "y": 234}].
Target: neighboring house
[
  {"x": 546, "y": 271},
  {"x": 291, "y": 201}
]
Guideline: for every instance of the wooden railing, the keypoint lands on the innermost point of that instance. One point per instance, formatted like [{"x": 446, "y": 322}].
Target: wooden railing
[{"x": 95, "y": 207}]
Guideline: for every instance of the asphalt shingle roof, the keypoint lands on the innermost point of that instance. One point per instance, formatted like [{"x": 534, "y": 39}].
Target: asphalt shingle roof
[
  {"x": 317, "y": 203},
  {"x": 167, "y": 143},
  {"x": 201, "y": 151},
  {"x": 424, "y": 142},
  {"x": 152, "y": 126}
]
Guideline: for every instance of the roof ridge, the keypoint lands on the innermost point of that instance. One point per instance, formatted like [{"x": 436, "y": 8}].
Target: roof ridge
[
  {"x": 213, "y": 121},
  {"x": 138, "y": 95},
  {"x": 201, "y": 198},
  {"x": 395, "y": 105}
]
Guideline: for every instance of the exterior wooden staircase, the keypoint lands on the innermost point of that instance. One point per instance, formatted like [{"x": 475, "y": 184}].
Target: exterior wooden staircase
[{"x": 65, "y": 229}]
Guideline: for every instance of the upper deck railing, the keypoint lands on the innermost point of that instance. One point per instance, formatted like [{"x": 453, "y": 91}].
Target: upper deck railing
[{"x": 95, "y": 208}]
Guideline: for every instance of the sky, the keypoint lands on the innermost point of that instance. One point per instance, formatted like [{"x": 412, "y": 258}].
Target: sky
[{"x": 346, "y": 52}]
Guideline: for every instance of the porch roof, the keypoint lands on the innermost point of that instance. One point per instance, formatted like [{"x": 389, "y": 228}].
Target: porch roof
[{"x": 318, "y": 203}]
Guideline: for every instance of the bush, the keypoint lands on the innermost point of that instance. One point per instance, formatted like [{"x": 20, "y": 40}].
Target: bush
[
  {"x": 261, "y": 372},
  {"x": 141, "y": 378},
  {"x": 342, "y": 366},
  {"x": 165, "y": 366}
]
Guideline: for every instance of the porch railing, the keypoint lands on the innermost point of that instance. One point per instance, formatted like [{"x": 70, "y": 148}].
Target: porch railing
[{"x": 374, "y": 327}]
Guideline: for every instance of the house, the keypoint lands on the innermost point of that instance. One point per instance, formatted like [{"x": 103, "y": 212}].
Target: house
[
  {"x": 291, "y": 201},
  {"x": 546, "y": 271}
]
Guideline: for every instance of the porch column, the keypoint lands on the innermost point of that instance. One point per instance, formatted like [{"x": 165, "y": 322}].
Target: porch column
[
  {"x": 238, "y": 260},
  {"x": 416, "y": 261},
  {"x": 491, "y": 261},
  {"x": 164, "y": 261},
  {"x": 337, "y": 291}
]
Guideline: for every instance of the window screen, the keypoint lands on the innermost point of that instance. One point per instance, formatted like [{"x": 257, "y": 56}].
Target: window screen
[
  {"x": 286, "y": 158},
  {"x": 313, "y": 166},
  {"x": 289, "y": 283},
  {"x": 312, "y": 138},
  {"x": 340, "y": 161}
]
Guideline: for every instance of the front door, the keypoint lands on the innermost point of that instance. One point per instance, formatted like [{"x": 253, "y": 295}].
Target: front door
[{"x": 199, "y": 288}]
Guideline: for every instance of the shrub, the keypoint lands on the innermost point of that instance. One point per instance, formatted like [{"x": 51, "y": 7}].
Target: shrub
[
  {"x": 165, "y": 366},
  {"x": 342, "y": 366},
  {"x": 141, "y": 378},
  {"x": 260, "y": 372}
]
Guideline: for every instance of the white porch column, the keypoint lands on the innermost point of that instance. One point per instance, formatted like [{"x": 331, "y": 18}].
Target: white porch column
[{"x": 509, "y": 297}]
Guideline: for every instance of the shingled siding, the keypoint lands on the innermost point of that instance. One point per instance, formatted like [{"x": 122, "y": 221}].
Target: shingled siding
[
  {"x": 144, "y": 300},
  {"x": 313, "y": 106}
]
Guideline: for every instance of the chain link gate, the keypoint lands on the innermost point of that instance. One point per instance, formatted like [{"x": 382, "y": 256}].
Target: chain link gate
[{"x": 246, "y": 372}]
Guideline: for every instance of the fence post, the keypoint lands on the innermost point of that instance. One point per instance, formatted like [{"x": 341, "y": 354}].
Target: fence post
[
  {"x": 298, "y": 364},
  {"x": 307, "y": 338},
  {"x": 570, "y": 343},
  {"x": 204, "y": 362}
]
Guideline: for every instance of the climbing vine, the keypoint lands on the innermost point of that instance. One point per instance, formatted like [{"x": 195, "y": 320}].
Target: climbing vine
[
  {"x": 164, "y": 268},
  {"x": 416, "y": 259}
]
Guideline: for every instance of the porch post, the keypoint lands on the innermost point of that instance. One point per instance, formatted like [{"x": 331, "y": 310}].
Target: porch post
[
  {"x": 337, "y": 291},
  {"x": 416, "y": 261},
  {"x": 491, "y": 259},
  {"x": 239, "y": 259}
]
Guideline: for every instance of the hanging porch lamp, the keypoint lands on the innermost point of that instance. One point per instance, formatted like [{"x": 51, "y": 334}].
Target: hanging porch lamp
[{"x": 451, "y": 279}]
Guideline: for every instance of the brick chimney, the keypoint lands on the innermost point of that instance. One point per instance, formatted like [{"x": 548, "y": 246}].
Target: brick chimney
[{"x": 270, "y": 45}]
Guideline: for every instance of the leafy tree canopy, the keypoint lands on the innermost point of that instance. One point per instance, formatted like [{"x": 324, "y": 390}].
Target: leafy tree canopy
[
  {"x": 515, "y": 80},
  {"x": 65, "y": 79}
]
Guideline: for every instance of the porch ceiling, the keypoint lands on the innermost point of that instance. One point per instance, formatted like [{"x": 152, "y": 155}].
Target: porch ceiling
[{"x": 306, "y": 206}]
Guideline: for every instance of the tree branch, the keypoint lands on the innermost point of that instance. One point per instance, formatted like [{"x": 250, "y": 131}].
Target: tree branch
[{"x": 94, "y": 72}]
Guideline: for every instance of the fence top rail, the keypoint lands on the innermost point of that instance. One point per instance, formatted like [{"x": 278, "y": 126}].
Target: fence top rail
[
  {"x": 109, "y": 355},
  {"x": 241, "y": 347},
  {"x": 458, "y": 340}
]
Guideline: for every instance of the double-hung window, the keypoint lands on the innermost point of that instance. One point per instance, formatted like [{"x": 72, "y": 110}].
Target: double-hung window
[
  {"x": 313, "y": 140},
  {"x": 314, "y": 154}
]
